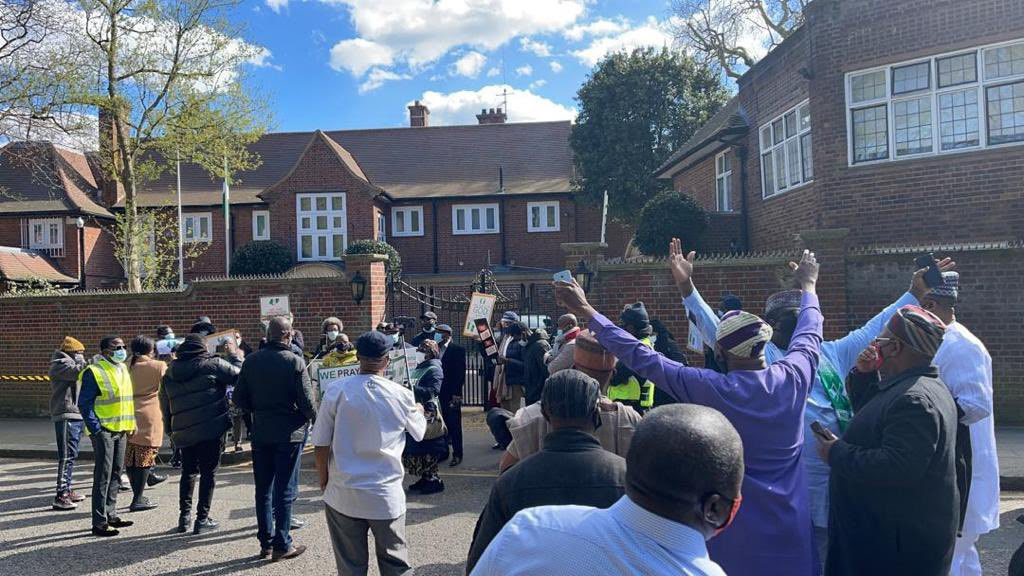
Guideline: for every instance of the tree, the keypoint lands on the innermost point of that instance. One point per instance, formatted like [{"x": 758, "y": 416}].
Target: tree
[
  {"x": 635, "y": 109},
  {"x": 394, "y": 264},
  {"x": 155, "y": 231},
  {"x": 731, "y": 34},
  {"x": 670, "y": 215},
  {"x": 261, "y": 257}
]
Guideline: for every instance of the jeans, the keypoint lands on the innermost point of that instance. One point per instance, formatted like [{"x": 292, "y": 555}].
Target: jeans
[
  {"x": 275, "y": 469},
  {"x": 452, "y": 416},
  {"x": 352, "y": 553},
  {"x": 69, "y": 434},
  {"x": 201, "y": 459},
  {"x": 497, "y": 421},
  {"x": 108, "y": 450}
]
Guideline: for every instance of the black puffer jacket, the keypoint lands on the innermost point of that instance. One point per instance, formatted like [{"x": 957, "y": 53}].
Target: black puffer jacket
[{"x": 193, "y": 395}]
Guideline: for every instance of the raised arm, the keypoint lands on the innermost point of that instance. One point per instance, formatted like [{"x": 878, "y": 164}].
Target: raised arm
[{"x": 697, "y": 310}]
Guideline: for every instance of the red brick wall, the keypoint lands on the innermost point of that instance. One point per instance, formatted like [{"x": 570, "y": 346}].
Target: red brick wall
[
  {"x": 417, "y": 252},
  {"x": 588, "y": 229}
]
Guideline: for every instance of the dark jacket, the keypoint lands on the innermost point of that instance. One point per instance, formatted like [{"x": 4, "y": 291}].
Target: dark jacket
[
  {"x": 275, "y": 387},
  {"x": 64, "y": 371},
  {"x": 894, "y": 502},
  {"x": 428, "y": 387},
  {"x": 193, "y": 396},
  {"x": 453, "y": 365},
  {"x": 535, "y": 370},
  {"x": 515, "y": 371},
  {"x": 669, "y": 348},
  {"x": 571, "y": 469}
]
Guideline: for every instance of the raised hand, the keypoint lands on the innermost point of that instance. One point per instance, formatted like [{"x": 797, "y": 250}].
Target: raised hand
[
  {"x": 681, "y": 266},
  {"x": 806, "y": 272},
  {"x": 918, "y": 287},
  {"x": 573, "y": 298}
]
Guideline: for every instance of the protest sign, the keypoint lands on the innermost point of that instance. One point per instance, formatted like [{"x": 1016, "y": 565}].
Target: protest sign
[
  {"x": 213, "y": 341},
  {"x": 693, "y": 339},
  {"x": 271, "y": 306},
  {"x": 483, "y": 329},
  {"x": 326, "y": 377},
  {"x": 480, "y": 306}
]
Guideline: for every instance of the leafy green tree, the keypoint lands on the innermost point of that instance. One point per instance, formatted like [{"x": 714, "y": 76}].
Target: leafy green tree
[
  {"x": 635, "y": 110},
  {"x": 261, "y": 257},
  {"x": 670, "y": 215}
]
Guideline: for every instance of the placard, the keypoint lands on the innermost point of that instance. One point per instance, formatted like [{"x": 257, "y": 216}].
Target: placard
[
  {"x": 326, "y": 377},
  {"x": 483, "y": 329},
  {"x": 480, "y": 306},
  {"x": 216, "y": 339},
  {"x": 271, "y": 306},
  {"x": 694, "y": 341}
]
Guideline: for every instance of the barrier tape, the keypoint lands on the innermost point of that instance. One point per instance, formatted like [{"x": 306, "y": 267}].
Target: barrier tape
[{"x": 43, "y": 378}]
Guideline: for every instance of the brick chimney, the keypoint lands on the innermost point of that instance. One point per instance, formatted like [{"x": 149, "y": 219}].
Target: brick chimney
[
  {"x": 419, "y": 115},
  {"x": 491, "y": 116}
]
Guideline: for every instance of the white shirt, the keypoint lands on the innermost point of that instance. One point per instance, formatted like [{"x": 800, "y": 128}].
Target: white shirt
[
  {"x": 966, "y": 368},
  {"x": 364, "y": 419}
]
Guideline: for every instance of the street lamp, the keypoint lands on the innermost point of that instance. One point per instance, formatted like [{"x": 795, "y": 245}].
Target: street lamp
[
  {"x": 583, "y": 276},
  {"x": 80, "y": 223},
  {"x": 358, "y": 285}
]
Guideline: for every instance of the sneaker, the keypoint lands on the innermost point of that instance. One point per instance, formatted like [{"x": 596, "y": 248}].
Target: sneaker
[
  {"x": 497, "y": 446},
  {"x": 296, "y": 523},
  {"x": 204, "y": 525},
  {"x": 238, "y": 448},
  {"x": 456, "y": 460},
  {"x": 293, "y": 552},
  {"x": 104, "y": 531},
  {"x": 75, "y": 496},
  {"x": 155, "y": 479},
  {"x": 63, "y": 502},
  {"x": 141, "y": 505},
  {"x": 183, "y": 522},
  {"x": 433, "y": 486},
  {"x": 265, "y": 553},
  {"x": 418, "y": 485}
]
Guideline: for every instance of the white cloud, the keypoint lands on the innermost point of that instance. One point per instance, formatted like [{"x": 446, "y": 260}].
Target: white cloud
[
  {"x": 462, "y": 107},
  {"x": 556, "y": 67},
  {"x": 358, "y": 55},
  {"x": 495, "y": 71},
  {"x": 524, "y": 70},
  {"x": 537, "y": 84},
  {"x": 650, "y": 33},
  {"x": 261, "y": 59},
  {"x": 377, "y": 77},
  {"x": 277, "y": 5},
  {"x": 469, "y": 65},
  {"x": 599, "y": 27},
  {"x": 538, "y": 48}
]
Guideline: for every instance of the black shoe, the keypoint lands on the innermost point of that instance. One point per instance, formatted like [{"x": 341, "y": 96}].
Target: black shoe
[
  {"x": 175, "y": 462},
  {"x": 433, "y": 486},
  {"x": 116, "y": 522},
  {"x": 155, "y": 479},
  {"x": 205, "y": 525},
  {"x": 265, "y": 553},
  {"x": 183, "y": 522},
  {"x": 497, "y": 446},
  {"x": 456, "y": 460},
  {"x": 142, "y": 504},
  {"x": 296, "y": 523},
  {"x": 104, "y": 531},
  {"x": 418, "y": 485},
  {"x": 292, "y": 552}
]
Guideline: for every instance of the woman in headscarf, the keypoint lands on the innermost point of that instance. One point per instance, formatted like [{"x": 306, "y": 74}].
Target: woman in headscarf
[
  {"x": 421, "y": 458},
  {"x": 144, "y": 443}
]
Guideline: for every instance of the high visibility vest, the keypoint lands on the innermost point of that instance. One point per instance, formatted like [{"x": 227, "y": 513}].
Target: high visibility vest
[
  {"x": 114, "y": 407},
  {"x": 633, "y": 392}
]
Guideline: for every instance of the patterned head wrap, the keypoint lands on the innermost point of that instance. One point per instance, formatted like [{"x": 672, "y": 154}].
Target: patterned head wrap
[
  {"x": 950, "y": 287},
  {"x": 918, "y": 328},
  {"x": 743, "y": 334},
  {"x": 787, "y": 299}
]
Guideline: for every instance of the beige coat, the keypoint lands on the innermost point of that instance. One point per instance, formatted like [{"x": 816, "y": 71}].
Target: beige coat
[
  {"x": 528, "y": 428},
  {"x": 146, "y": 375}
]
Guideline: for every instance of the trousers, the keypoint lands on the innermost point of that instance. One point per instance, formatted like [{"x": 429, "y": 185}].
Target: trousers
[
  {"x": 69, "y": 435},
  {"x": 202, "y": 460},
  {"x": 452, "y": 416},
  {"x": 108, "y": 450},
  {"x": 275, "y": 470},
  {"x": 352, "y": 552}
]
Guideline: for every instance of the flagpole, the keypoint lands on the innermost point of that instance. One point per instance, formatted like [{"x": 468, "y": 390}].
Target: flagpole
[
  {"x": 227, "y": 220},
  {"x": 181, "y": 240},
  {"x": 604, "y": 217}
]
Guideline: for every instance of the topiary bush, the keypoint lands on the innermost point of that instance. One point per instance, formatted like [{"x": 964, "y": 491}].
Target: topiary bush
[
  {"x": 394, "y": 263},
  {"x": 261, "y": 257},
  {"x": 669, "y": 215}
]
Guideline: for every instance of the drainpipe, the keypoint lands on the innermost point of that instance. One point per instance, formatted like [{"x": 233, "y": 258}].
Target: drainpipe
[
  {"x": 433, "y": 219},
  {"x": 501, "y": 215},
  {"x": 741, "y": 151}
]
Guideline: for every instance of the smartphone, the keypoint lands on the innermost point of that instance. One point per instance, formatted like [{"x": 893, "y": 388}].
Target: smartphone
[
  {"x": 933, "y": 277},
  {"x": 563, "y": 276},
  {"x": 821, "y": 432}
]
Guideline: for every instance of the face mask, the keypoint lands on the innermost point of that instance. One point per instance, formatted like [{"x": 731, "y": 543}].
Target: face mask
[
  {"x": 79, "y": 357},
  {"x": 394, "y": 338},
  {"x": 238, "y": 341},
  {"x": 732, "y": 516},
  {"x": 119, "y": 356},
  {"x": 559, "y": 334},
  {"x": 428, "y": 329},
  {"x": 654, "y": 338},
  {"x": 169, "y": 336},
  {"x": 332, "y": 335}
]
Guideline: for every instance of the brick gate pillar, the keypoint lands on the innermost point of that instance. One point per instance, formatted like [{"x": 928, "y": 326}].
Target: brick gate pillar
[
  {"x": 590, "y": 252},
  {"x": 829, "y": 246},
  {"x": 371, "y": 309}
]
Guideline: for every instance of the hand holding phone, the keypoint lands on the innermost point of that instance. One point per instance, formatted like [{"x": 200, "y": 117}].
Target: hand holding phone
[
  {"x": 563, "y": 276},
  {"x": 821, "y": 432},
  {"x": 933, "y": 276}
]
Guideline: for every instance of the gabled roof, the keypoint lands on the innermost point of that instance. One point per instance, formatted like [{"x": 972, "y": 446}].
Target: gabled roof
[
  {"x": 731, "y": 119},
  {"x": 41, "y": 177},
  {"x": 441, "y": 161},
  {"x": 20, "y": 265}
]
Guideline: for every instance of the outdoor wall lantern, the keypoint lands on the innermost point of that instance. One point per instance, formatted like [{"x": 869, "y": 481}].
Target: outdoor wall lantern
[
  {"x": 583, "y": 276},
  {"x": 358, "y": 285}
]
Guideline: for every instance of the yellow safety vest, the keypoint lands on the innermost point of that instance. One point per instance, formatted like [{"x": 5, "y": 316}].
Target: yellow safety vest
[
  {"x": 634, "y": 392},
  {"x": 114, "y": 407}
]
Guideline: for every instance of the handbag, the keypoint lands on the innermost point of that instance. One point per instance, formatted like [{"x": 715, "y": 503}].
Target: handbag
[{"x": 436, "y": 427}]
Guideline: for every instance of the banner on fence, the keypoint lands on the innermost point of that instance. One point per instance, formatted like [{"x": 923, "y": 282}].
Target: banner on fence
[
  {"x": 480, "y": 306},
  {"x": 271, "y": 306}
]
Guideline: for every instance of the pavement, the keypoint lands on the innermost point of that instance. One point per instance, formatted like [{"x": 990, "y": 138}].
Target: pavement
[{"x": 38, "y": 541}]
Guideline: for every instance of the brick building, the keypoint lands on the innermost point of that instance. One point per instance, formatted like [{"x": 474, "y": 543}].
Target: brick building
[
  {"x": 451, "y": 199},
  {"x": 871, "y": 114}
]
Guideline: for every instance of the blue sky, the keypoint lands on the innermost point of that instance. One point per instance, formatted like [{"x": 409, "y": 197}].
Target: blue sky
[{"x": 336, "y": 64}]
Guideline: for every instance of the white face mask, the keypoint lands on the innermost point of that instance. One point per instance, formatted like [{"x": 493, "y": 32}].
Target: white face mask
[
  {"x": 332, "y": 335},
  {"x": 654, "y": 338},
  {"x": 238, "y": 341},
  {"x": 169, "y": 336}
]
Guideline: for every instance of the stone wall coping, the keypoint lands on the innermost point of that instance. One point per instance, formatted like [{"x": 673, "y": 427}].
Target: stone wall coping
[
  {"x": 363, "y": 258},
  {"x": 861, "y": 252},
  {"x": 583, "y": 247}
]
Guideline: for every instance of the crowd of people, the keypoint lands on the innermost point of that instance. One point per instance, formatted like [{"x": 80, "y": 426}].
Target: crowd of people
[{"x": 785, "y": 454}]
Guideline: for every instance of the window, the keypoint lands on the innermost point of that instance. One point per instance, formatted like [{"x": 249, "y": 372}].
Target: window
[
  {"x": 723, "y": 182},
  {"x": 382, "y": 235},
  {"x": 321, "y": 222},
  {"x": 198, "y": 227},
  {"x": 475, "y": 219},
  {"x": 976, "y": 101},
  {"x": 260, "y": 225},
  {"x": 407, "y": 221},
  {"x": 45, "y": 235},
  {"x": 785, "y": 153},
  {"x": 542, "y": 217}
]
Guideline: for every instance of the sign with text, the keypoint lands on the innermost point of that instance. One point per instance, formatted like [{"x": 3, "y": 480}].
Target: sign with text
[
  {"x": 271, "y": 306},
  {"x": 480, "y": 306},
  {"x": 328, "y": 376},
  {"x": 483, "y": 329}
]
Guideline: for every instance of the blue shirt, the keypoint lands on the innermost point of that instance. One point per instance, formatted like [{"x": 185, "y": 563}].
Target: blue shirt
[
  {"x": 619, "y": 541},
  {"x": 839, "y": 355}
]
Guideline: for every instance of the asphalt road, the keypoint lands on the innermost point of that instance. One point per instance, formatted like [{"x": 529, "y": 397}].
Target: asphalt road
[{"x": 37, "y": 541}]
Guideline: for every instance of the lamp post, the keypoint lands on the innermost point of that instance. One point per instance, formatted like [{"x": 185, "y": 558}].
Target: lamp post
[
  {"x": 358, "y": 286},
  {"x": 583, "y": 275},
  {"x": 80, "y": 224}
]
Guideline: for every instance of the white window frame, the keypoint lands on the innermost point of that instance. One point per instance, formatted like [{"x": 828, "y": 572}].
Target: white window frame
[
  {"x": 408, "y": 212},
  {"x": 980, "y": 85},
  {"x": 482, "y": 229},
  {"x": 382, "y": 223},
  {"x": 196, "y": 217},
  {"x": 47, "y": 226},
  {"x": 782, "y": 147},
  {"x": 328, "y": 233},
  {"x": 723, "y": 182},
  {"x": 256, "y": 214},
  {"x": 543, "y": 207}
]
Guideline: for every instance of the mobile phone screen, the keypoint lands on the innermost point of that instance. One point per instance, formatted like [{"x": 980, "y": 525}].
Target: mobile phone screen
[{"x": 563, "y": 276}]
